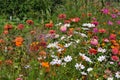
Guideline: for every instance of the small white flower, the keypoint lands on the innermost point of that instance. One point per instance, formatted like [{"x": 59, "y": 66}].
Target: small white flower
[
  {"x": 55, "y": 61},
  {"x": 85, "y": 28},
  {"x": 101, "y": 58},
  {"x": 77, "y": 41},
  {"x": 53, "y": 45},
  {"x": 68, "y": 58},
  {"x": 83, "y": 73},
  {"x": 83, "y": 35},
  {"x": 89, "y": 69},
  {"x": 58, "y": 24},
  {"x": 85, "y": 57},
  {"x": 89, "y": 25},
  {"x": 67, "y": 25},
  {"x": 110, "y": 78},
  {"x": 79, "y": 66},
  {"x": 117, "y": 74},
  {"x": 101, "y": 50},
  {"x": 63, "y": 37},
  {"x": 111, "y": 62},
  {"x": 67, "y": 45},
  {"x": 27, "y": 66}
]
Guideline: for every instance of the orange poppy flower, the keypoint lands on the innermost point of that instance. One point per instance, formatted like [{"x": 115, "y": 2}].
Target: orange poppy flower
[
  {"x": 18, "y": 41},
  {"x": 45, "y": 64}
]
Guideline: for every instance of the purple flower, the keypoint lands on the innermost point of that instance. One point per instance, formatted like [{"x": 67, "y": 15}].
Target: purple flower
[
  {"x": 118, "y": 13},
  {"x": 110, "y": 23}
]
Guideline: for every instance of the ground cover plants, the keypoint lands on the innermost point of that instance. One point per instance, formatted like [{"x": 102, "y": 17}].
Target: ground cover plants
[{"x": 78, "y": 44}]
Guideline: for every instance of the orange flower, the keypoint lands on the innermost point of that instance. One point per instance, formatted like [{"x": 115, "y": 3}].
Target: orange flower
[
  {"x": 45, "y": 64},
  {"x": 49, "y": 25},
  {"x": 1, "y": 41},
  {"x": 18, "y": 41}
]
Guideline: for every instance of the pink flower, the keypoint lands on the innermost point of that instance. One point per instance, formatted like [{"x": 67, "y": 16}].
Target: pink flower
[
  {"x": 113, "y": 15},
  {"x": 105, "y": 40},
  {"x": 94, "y": 42},
  {"x": 63, "y": 28},
  {"x": 112, "y": 36},
  {"x": 19, "y": 79},
  {"x": 115, "y": 58},
  {"x": 110, "y": 23},
  {"x": 115, "y": 50},
  {"x": 105, "y": 11},
  {"x": 118, "y": 22}
]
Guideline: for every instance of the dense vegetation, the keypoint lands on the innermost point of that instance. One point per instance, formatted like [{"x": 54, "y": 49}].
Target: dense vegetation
[{"x": 60, "y": 40}]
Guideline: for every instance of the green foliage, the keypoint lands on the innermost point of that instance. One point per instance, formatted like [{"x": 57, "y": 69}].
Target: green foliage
[{"x": 27, "y": 8}]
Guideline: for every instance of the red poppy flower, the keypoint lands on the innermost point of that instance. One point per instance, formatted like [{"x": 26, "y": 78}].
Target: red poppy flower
[
  {"x": 30, "y": 22},
  {"x": 49, "y": 25},
  {"x": 62, "y": 16},
  {"x": 92, "y": 51}
]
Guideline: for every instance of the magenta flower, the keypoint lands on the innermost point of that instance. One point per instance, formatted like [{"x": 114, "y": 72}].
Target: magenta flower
[
  {"x": 95, "y": 30},
  {"x": 95, "y": 23},
  {"x": 110, "y": 23},
  {"x": 105, "y": 11},
  {"x": 118, "y": 22},
  {"x": 113, "y": 15}
]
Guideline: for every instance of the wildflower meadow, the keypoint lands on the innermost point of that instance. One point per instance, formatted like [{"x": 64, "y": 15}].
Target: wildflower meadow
[{"x": 79, "y": 40}]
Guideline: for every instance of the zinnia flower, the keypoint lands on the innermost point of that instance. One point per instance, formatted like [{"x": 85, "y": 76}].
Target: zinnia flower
[
  {"x": 63, "y": 28},
  {"x": 20, "y": 26},
  {"x": 30, "y": 22},
  {"x": 115, "y": 58},
  {"x": 18, "y": 41},
  {"x": 49, "y": 25},
  {"x": 62, "y": 16},
  {"x": 115, "y": 50},
  {"x": 92, "y": 51},
  {"x": 112, "y": 36},
  {"x": 45, "y": 64},
  {"x": 94, "y": 42}
]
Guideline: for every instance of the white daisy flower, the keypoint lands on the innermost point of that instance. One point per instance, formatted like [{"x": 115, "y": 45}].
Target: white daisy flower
[
  {"x": 79, "y": 66},
  {"x": 110, "y": 78},
  {"x": 83, "y": 73},
  {"x": 89, "y": 69},
  {"x": 68, "y": 58},
  {"x": 85, "y": 57},
  {"x": 101, "y": 58},
  {"x": 101, "y": 50},
  {"x": 55, "y": 61},
  {"x": 117, "y": 74}
]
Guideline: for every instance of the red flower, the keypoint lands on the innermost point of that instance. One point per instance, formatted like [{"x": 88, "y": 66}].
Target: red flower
[
  {"x": 30, "y": 22},
  {"x": 67, "y": 21},
  {"x": 115, "y": 58},
  {"x": 62, "y": 16},
  {"x": 102, "y": 31},
  {"x": 115, "y": 50},
  {"x": 51, "y": 31},
  {"x": 76, "y": 19},
  {"x": 49, "y": 25},
  {"x": 92, "y": 51},
  {"x": 112, "y": 36},
  {"x": 8, "y": 26},
  {"x": 20, "y": 26}
]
